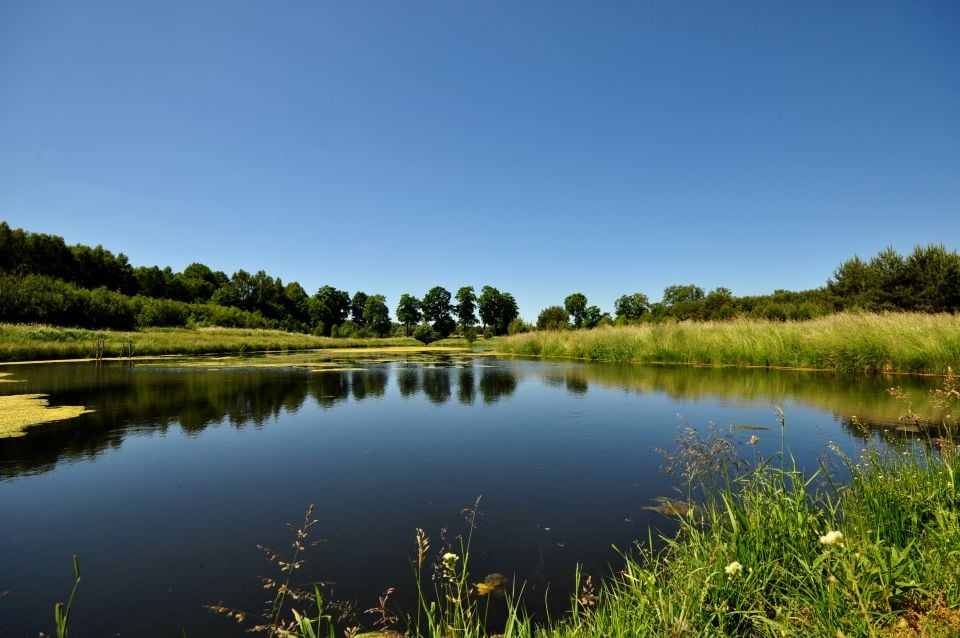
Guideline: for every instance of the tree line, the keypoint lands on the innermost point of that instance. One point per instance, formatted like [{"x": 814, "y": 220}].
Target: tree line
[
  {"x": 44, "y": 280},
  {"x": 926, "y": 280}
]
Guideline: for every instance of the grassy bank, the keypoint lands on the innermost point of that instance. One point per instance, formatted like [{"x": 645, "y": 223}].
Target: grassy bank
[
  {"x": 895, "y": 342},
  {"x": 20, "y": 342}
]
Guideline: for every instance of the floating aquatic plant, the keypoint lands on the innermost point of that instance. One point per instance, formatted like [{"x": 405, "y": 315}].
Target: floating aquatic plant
[{"x": 20, "y": 411}]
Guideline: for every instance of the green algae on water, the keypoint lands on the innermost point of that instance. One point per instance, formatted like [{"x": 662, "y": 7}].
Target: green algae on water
[{"x": 20, "y": 411}]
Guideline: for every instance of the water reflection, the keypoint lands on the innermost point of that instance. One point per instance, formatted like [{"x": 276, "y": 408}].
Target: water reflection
[
  {"x": 408, "y": 380},
  {"x": 436, "y": 384},
  {"x": 563, "y": 451},
  {"x": 496, "y": 383},
  {"x": 466, "y": 392},
  {"x": 130, "y": 399}
]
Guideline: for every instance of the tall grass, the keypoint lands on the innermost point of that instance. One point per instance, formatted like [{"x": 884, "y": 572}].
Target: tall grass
[
  {"x": 20, "y": 342},
  {"x": 893, "y": 342}
]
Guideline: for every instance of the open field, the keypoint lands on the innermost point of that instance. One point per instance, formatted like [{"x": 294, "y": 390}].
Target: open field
[
  {"x": 19, "y": 342},
  {"x": 893, "y": 342}
]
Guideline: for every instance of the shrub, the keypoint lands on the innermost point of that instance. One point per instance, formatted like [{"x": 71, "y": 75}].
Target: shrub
[{"x": 425, "y": 334}]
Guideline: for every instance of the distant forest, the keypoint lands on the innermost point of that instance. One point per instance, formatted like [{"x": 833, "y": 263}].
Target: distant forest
[{"x": 43, "y": 280}]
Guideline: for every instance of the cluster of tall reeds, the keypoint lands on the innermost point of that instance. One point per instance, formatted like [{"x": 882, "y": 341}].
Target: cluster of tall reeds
[{"x": 848, "y": 342}]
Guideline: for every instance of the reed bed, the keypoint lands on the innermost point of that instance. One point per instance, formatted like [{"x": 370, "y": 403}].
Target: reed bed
[
  {"x": 892, "y": 342},
  {"x": 20, "y": 342}
]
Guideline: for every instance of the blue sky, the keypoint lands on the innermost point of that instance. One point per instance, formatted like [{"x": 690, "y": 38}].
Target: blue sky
[{"x": 540, "y": 147}]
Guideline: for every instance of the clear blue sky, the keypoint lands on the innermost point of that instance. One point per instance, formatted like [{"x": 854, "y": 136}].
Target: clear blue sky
[{"x": 540, "y": 147}]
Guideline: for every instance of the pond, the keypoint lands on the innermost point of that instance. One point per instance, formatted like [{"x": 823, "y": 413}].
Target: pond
[{"x": 184, "y": 466}]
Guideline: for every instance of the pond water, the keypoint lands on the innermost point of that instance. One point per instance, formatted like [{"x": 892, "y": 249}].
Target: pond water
[{"x": 185, "y": 466}]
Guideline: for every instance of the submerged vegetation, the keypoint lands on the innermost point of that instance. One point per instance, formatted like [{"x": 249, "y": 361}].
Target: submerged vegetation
[{"x": 893, "y": 342}]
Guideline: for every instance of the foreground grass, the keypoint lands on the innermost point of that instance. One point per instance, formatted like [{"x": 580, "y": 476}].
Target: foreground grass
[
  {"x": 764, "y": 557},
  {"x": 894, "y": 342},
  {"x": 20, "y": 342}
]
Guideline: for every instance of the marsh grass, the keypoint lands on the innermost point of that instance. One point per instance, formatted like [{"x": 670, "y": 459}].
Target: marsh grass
[
  {"x": 21, "y": 342},
  {"x": 893, "y": 342}
]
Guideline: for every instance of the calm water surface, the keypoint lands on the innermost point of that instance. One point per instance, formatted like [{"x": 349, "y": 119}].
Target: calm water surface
[{"x": 167, "y": 488}]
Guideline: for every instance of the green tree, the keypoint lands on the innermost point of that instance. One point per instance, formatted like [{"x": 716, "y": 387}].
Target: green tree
[
  {"x": 376, "y": 315},
  {"x": 200, "y": 282},
  {"x": 508, "y": 311},
  {"x": 576, "y": 305},
  {"x": 489, "y": 305},
  {"x": 150, "y": 281},
  {"x": 719, "y": 304},
  {"x": 591, "y": 316},
  {"x": 358, "y": 306},
  {"x": 631, "y": 307},
  {"x": 888, "y": 280},
  {"x": 466, "y": 307},
  {"x": 329, "y": 307},
  {"x": 932, "y": 275},
  {"x": 297, "y": 305},
  {"x": 497, "y": 309},
  {"x": 553, "y": 318},
  {"x": 408, "y": 312},
  {"x": 673, "y": 295},
  {"x": 436, "y": 309}
]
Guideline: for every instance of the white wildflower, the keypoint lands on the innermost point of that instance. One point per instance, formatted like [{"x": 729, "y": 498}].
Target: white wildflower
[
  {"x": 832, "y": 538},
  {"x": 733, "y": 568}
]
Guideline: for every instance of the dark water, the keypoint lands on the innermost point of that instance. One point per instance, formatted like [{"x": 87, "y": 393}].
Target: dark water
[{"x": 167, "y": 488}]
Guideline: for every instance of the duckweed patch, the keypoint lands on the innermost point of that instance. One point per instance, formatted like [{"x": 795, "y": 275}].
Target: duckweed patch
[{"x": 20, "y": 411}]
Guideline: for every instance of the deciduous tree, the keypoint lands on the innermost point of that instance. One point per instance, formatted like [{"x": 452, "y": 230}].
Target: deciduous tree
[
  {"x": 631, "y": 307},
  {"x": 576, "y": 304},
  {"x": 376, "y": 315},
  {"x": 553, "y": 318},
  {"x": 466, "y": 307},
  {"x": 329, "y": 307},
  {"x": 408, "y": 312}
]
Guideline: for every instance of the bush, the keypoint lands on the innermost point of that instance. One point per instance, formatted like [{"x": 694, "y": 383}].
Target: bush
[
  {"x": 517, "y": 326},
  {"x": 425, "y": 334}
]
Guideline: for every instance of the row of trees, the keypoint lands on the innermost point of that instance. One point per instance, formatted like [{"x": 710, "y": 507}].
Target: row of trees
[
  {"x": 441, "y": 316},
  {"x": 47, "y": 280},
  {"x": 926, "y": 280}
]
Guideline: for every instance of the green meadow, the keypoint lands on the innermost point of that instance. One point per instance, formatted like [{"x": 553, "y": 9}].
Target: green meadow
[{"x": 24, "y": 342}]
